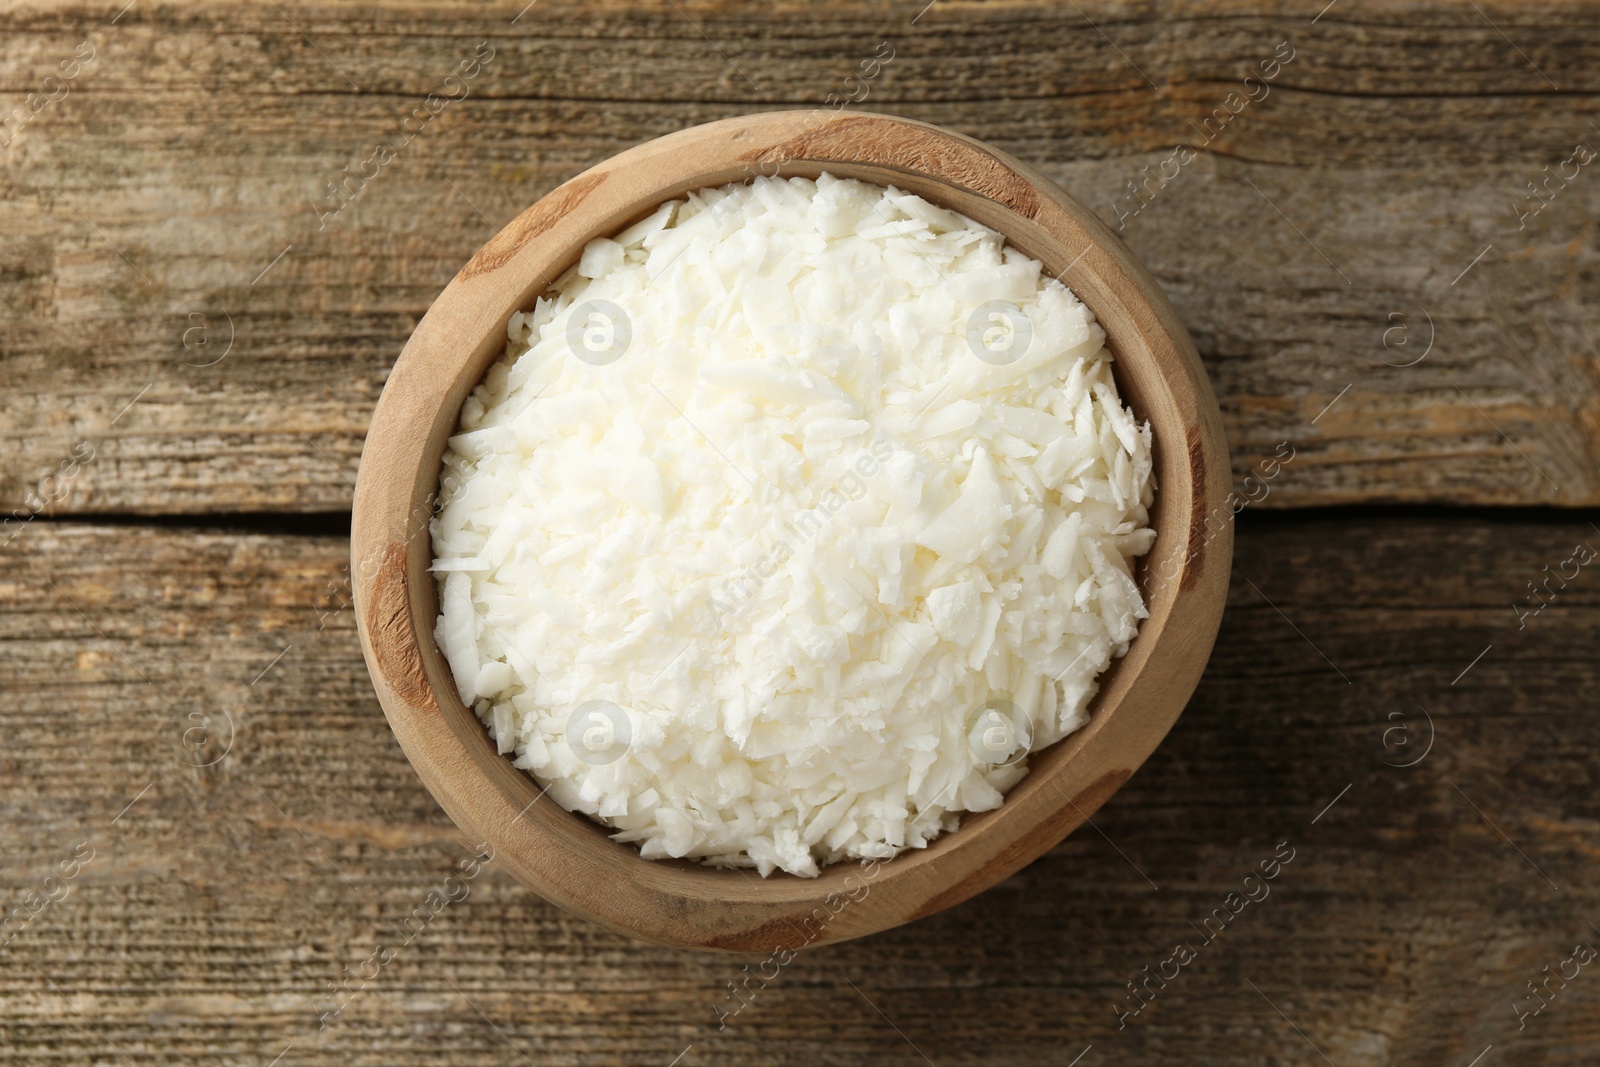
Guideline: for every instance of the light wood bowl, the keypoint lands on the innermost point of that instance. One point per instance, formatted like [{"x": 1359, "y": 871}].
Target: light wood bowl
[{"x": 568, "y": 859}]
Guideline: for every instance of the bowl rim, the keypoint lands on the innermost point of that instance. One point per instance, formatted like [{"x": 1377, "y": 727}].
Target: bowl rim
[{"x": 567, "y": 858}]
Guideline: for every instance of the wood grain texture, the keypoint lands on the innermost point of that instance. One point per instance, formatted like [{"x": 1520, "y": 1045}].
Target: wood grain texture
[
  {"x": 218, "y": 907},
  {"x": 196, "y": 149}
]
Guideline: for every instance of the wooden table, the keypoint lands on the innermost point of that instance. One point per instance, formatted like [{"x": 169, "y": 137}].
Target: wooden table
[{"x": 207, "y": 824}]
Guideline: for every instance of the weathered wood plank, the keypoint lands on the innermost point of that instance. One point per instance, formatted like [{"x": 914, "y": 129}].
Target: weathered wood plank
[
  {"x": 1327, "y": 223},
  {"x": 218, "y": 906}
]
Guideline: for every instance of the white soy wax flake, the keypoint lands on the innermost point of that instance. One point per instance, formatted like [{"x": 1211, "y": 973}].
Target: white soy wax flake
[{"x": 794, "y": 517}]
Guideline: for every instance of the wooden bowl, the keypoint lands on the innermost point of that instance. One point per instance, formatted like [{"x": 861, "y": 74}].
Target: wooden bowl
[{"x": 568, "y": 859}]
